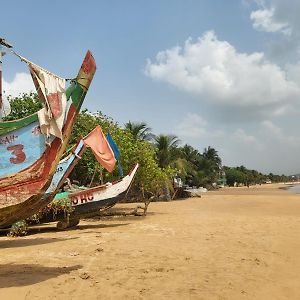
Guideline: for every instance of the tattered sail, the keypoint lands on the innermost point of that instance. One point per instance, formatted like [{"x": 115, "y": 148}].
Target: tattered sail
[{"x": 51, "y": 90}]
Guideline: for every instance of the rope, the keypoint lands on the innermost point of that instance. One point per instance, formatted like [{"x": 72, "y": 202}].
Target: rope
[{"x": 27, "y": 61}]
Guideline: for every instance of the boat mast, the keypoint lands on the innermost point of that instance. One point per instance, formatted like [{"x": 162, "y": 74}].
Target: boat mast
[
  {"x": 1, "y": 102},
  {"x": 6, "y": 44}
]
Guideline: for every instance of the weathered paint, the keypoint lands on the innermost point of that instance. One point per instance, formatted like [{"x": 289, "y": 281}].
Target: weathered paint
[
  {"x": 102, "y": 192},
  {"x": 20, "y": 149},
  {"x": 89, "y": 201},
  {"x": 21, "y": 193},
  {"x": 9, "y": 126},
  {"x": 65, "y": 167}
]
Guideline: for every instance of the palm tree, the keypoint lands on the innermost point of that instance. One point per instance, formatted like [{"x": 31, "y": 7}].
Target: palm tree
[
  {"x": 190, "y": 154},
  {"x": 211, "y": 155},
  {"x": 166, "y": 149},
  {"x": 139, "y": 131},
  {"x": 188, "y": 163},
  {"x": 211, "y": 163}
]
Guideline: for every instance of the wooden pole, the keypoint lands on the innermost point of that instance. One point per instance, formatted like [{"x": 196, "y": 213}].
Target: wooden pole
[
  {"x": 6, "y": 44},
  {"x": 101, "y": 175},
  {"x": 1, "y": 101},
  {"x": 93, "y": 175}
]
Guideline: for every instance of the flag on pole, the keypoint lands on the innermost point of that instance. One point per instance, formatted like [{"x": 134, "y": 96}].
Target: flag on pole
[
  {"x": 116, "y": 151},
  {"x": 98, "y": 143}
]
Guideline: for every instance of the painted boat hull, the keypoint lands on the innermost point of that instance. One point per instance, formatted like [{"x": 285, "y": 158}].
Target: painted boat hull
[
  {"x": 22, "y": 189},
  {"x": 89, "y": 202},
  {"x": 65, "y": 167}
]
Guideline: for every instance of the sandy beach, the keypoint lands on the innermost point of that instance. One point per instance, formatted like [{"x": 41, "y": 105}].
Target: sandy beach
[{"x": 235, "y": 243}]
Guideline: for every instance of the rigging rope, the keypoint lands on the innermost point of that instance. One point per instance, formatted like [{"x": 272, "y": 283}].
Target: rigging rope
[{"x": 27, "y": 61}]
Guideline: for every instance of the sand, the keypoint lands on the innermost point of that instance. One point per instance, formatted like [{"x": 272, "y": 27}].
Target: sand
[{"x": 235, "y": 243}]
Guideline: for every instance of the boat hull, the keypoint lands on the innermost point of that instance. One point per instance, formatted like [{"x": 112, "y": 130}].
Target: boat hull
[
  {"x": 65, "y": 167},
  {"x": 21, "y": 191},
  {"x": 89, "y": 202}
]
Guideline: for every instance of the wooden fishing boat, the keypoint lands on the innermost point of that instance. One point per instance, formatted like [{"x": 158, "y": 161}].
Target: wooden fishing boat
[
  {"x": 89, "y": 201},
  {"x": 65, "y": 167},
  {"x": 28, "y": 160}
]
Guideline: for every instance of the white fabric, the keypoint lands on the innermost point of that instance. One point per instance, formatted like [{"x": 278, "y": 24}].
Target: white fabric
[
  {"x": 5, "y": 109},
  {"x": 49, "y": 84}
]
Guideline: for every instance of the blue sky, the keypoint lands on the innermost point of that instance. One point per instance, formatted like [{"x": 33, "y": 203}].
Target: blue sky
[{"x": 227, "y": 75}]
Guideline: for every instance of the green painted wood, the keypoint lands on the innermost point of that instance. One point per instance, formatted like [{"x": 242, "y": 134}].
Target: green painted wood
[
  {"x": 75, "y": 91},
  {"x": 6, "y": 127}
]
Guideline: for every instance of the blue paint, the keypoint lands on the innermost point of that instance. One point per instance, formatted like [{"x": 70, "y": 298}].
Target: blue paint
[
  {"x": 33, "y": 143},
  {"x": 116, "y": 152},
  {"x": 63, "y": 167}
]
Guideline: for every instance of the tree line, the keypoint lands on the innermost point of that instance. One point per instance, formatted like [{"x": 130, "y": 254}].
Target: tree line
[{"x": 160, "y": 156}]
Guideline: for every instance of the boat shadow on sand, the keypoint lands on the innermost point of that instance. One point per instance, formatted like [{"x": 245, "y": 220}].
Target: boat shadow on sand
[
  {"x": 25, "y": 242},
  {"x": 50, "y": 228},
  {"x": 18, "y": 275}
]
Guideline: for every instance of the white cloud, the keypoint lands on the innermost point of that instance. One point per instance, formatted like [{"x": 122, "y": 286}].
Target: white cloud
[
  {"x": 277, "y": 16},
  {"x": 192, "y": 125},
  {"x": 241, "y": 135},
  {"x": 243, "y": 144},
  {"x": 293, "y": 72},
  {"x": 194, "y": 130},
  {"x": 215, "y": 71},
  {"x": 281, "y": 17},
  {"x": 276, "y": 134},
  {"x": 266, "y": 147},
  {"x": 254, "y": 96},
  {"x": 272, "y": 129},
  {"x": 22, "y": 83},
  {"x": 263, "y": 20}
]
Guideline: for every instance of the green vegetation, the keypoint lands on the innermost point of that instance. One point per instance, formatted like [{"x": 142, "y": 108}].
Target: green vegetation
[
  {"x": 133, "y": 149},
  {"x": 166, "y": 149},
  {"x": 243, "y": 176},
  {"x": 19, "y": 228},
  {"x": 160, "y": 157},
  {"x": 23, "y": 106}
]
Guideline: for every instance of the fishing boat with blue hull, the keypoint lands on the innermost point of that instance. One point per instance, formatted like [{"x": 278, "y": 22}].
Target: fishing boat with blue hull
[
  {"x": 89, "y": 202},
  {"x": 30, "y": 148},
  {"x": 65, "y": 167}
]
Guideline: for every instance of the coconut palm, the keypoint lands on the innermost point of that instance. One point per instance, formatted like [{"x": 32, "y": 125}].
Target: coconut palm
[
  {"x": 190, "y": 154},
  {"x": 166, "y": 146},
  {"x": 139, "y": 130},
  {"x": 211, "y": 163},
  {"x": 211, "y": 155}
]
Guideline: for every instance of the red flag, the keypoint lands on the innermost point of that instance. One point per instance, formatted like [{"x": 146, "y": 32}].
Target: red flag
[{"x": 101, "y": 149}]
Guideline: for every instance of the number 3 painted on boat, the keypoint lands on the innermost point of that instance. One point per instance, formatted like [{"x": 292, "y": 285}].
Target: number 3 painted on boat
[{"x": 17, "y": 150}]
